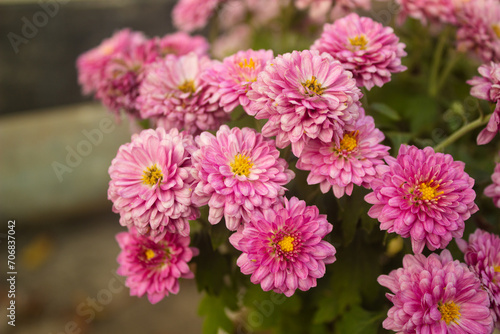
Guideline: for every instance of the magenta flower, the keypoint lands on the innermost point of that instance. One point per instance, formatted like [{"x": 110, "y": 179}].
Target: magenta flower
[
  {"x": 492, "y": 128},
  {"x": 436, "y": 295},
  {"x": 283, "y": 248},
  {"x": 174, "y": 95},
  {"x": 304, "y": 95},
  {"x": 423, "y": 195},
  {"x": 181, "y": 44},
  {"x": 151, "y": 183},
  {"x": 189, "y": 15},
  {"x": 91, "y": 65},
  {"x": 435, "y": 12},
  {"x": 238, "y": 172},
  {"x": 482, "y": 255},
  {"x": 154, "y": 268},
  {"x": 479, "y": 29},
  {"x": 493, "y": 190},
  {"x": 234, "y": 76},
  {"x": 351, "y": 161},
  {"x": 365, "y": 47},
  {"x": 487, "y": 86}
]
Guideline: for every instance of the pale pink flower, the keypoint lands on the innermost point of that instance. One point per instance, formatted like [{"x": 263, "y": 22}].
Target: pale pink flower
[
  {"x": 493, "y": 190},
  {"x": 283, "y": 248},
  {"x": 151, "y": 183},
  {"x": 235, "y": 39},
  {"x": 345, "y": 7},
  {"x": 180, "y": 44},
  {"x": 234, "y": 76},
  {"x": 154, "y": 268},
  {"x": 91, "y": 65},
  {"x": 238, "y": 172},
  {"x": 436, "y": 295},
  {"x": 365, "y": 47},
  {"x": 174, "y": 95},
  {"x": 304, "y": 95},
  {"x": 482, "y": 255},
  {"x": 427, "y": 11},
  {"x": 189, "y": 15},
  {"x": 479, "y": 29},
  {"x": 351, "y": 161},
  {"x": 423, "y": 195}
]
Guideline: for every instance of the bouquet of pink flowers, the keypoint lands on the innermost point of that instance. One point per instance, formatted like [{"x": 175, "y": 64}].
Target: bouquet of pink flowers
[{"x": 307, "y": 133}]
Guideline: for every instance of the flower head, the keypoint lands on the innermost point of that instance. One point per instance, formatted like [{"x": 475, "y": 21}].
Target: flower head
[
  {"x": 189, "y": 15},
  {"x": 283, "y": 248},
  {"x": 436, "y": 295},
  {"x": 180, "y": 44},
  {"x": 350, "y": 161},
  {"x": 174, "y": 95},
  {"x": 365, "y": 47},
  {"x": 304, "y": 95},
  {"x": 487, "y": 86},
  {"x": 238, "y": 171},
  {"x": 154, "y": 268},
  {"x": 151, "y": 183},
  {"x": 427, "y": 11},
  {"x": 482, "y": 255},
  {"x": 423, "y": 195},
  {"x": 493, "y": 190},
  {"x": 234, "y": 76}
]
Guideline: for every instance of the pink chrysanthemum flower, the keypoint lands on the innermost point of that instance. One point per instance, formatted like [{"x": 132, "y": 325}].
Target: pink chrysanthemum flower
[
  {"x": 151, "y": 183},
  {"x": 436, "y": 295},
  {"x": 345, "y": 7},
  {"x": 487, "y": 86},
  {"x": 427, "y": 11},
  {"x": 491, "y": 129},
  {"x": 479, "y": 29},
  {"x": 493, "y": 190},
  {"x": 234, "y": 76},
  {"x": 283, "y": 248},
  {"x": 238, "y": 172},
  {"x": 174, "y": 95},
  {"x": 180, "y": 44},
  {"x": 189, "y": 15},
  {"x": 365, "y": 47},
  {"x": 154, "y": 268},
  {"x": 349, "y": 162},
  {"x": 305, "y": 95},
  {"x": 482, "y": 255},
  {"x": 423, "y": 195},
  {"x": 91, "y": 65}
]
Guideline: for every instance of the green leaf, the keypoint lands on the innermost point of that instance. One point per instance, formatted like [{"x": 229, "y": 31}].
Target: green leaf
[
  {"x": 215, "y": 315},
  {"x": 386, "y": 111},
  {"x": 219, "y": 234},
  {"x": 423, "y": 114},
  {"x": 398, "y": 138},
  {"x": 359, "y": 321}
]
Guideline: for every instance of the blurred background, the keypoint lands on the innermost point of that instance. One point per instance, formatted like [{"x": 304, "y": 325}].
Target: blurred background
[{"x": 64, "y": 231}]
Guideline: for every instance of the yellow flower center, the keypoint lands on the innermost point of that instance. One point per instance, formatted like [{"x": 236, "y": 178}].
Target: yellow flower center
[
  {"x": 496, "y": 269},
  {"x": 286, "y": 244},
  {"x": 149, "y": 254},
  {"x": 152, "y": 175},
  {"x": 496, "y": 29},
  {"x": 349, "y": 141},
  {"x": 247, "y": 64},
  {"x": 313, "y": 86},
  {"x": 241, "y": 165},
  {"x": 449, "y": 312},
  {"x": 428, "y": 192},
  {"x": 359, "y": 42},
  {"x": 187, "y": 86}
]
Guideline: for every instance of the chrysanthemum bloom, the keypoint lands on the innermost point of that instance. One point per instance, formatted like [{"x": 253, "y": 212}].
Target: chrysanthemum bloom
[
  {"x": 479, "y": 29},
  {"x": 427, "y": 11},
  {"x": 174, "y": 94},
  {"x": 344, "y": 7},
  {"x": 436, "y": 295},
  {"x": 151, "y": 183},
  {"x": 189, "y": 15},
  {"x": 238, "y": 172},
  {"x": 365, "y": 47},
  {"x": 482, "y": 255},
  {"x": 305, "y": 95},
  {"x": 423, "y": 195},
  {"x": 283, "y": 248},
  {"x": 154, "y": 268},
  {"x": 234, "y": 76},
  {"x": 493, "y": 190},
  {"x": 487, "y": 86},
  {"x": 91, "y": 65},
  {"x": 235, "y": 39},
  {"x": 348, "y": 162},
  {"x": 180, "y": 44}
]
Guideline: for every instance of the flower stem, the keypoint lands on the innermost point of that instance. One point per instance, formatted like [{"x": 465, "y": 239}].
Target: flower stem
[
  {"x": 436, "y": 62},
  {"x": 462, "y": 131}
]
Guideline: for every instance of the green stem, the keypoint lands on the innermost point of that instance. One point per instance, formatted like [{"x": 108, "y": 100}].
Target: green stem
[
  {"x": 446, "y": 71},
  {"x": 436, "y": 62},
  {"x": 462, "y": 131}
]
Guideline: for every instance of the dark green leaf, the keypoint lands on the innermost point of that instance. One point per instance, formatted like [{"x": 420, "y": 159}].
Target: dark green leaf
[
  {"x": 359, "y": 321},
  {"x": 215, "y": 315},
  {"x": 386, "y": 111}
]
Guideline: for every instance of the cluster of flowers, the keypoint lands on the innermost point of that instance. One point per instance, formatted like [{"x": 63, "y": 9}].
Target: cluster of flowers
[{"x": 311, "y": 101}]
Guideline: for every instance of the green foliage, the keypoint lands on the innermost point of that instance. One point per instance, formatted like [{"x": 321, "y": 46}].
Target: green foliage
[{"x": 215, "y": 318}]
